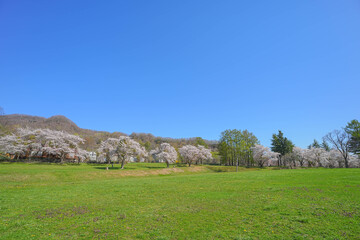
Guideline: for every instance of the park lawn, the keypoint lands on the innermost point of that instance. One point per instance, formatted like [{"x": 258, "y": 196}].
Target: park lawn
[{"x": 147, "y": 201}]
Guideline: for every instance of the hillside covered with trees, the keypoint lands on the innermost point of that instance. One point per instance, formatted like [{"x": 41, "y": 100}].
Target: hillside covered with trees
[{"x": 9, "y": 124}]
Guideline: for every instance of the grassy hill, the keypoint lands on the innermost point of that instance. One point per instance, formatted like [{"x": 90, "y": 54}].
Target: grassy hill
[{"x": 147, "y": 201}]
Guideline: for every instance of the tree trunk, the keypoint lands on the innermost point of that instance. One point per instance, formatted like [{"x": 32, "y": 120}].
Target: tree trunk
[
  {"x": 167, "y": 164},
  {"x": 237, "y": 164},
  {"x": 189, "y": 164},
  {"x": 122, "y": 164}
]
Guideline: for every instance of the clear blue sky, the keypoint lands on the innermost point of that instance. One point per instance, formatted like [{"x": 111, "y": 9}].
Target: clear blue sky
[{"x": 184, "y": 68}]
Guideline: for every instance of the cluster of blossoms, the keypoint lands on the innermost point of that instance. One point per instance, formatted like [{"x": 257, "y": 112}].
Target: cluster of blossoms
[
  {"x": 192, "y": 154},
  {"x": 299, "y": 157},
  {"x": 122, "y": 149},
  {"x": 43, "y": 144},
  {"x": 319, "y": 157},
  {"x": 165, "y": 153},
  {"x": 263, "y": 156},
  {"x": 36, "y": 144}
]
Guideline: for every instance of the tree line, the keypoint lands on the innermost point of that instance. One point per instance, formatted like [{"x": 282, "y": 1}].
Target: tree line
[
  {"x": 58, "y": 146},
  {"x": 339, "y": 148}
]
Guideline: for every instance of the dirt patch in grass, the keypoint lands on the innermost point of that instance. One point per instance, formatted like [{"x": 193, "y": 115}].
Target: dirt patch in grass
[
  {"x": 61, "y": 213},
  {"x": 142, "y": 173},
  {"x": 164, "y": 171},
  {"x": 196, "y": 169}
]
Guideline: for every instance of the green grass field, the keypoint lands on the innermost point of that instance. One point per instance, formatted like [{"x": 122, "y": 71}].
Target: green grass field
[{"x": 147, "y": 201}]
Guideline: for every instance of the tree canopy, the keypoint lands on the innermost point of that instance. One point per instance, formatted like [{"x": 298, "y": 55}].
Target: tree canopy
[
  {"x": 235, "y": 147},
  {"x": 353, "y": 128}
]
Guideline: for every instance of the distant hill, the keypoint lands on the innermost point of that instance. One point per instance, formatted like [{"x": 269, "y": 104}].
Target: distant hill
[
  {"x": 9, "y": 123},
  {"x": 55, "y": 122}
]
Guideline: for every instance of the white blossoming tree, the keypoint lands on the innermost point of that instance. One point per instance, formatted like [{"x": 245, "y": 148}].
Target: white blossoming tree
[
  {"x": 204, "y": 154},
  {"x": 300, "y": 155},
  {"x": 319, "y": 156},
  {"x": 333, "y": 159},
  {"x": 263, "y": 156},
  {"x": 354, "y": 161},
  {"x": 165, "y": 153},
  {"x": 190, "y": 154},
  {"x": 127, "y": 148},
  {"x": 107, "y": 151},
  {"x": 13, "y": 146},
  {"x": 29, "y": 143},
  {"x": 121, "y": 149}
]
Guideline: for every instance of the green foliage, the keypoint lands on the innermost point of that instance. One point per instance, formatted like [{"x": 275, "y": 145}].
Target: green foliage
[
  {"x": 235, "y": 147},
  {"x": 325, "y": 146},
  {"x": 200, "y": 141},
  {"x": 353, "y": 128},
  {"x": 315, "y": 144},
  {"x": 147, "y": 145},
  {"x": 47, "y": 201}
]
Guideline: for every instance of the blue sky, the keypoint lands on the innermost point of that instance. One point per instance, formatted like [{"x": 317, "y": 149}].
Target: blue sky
[{"x": 184, "y": 68}]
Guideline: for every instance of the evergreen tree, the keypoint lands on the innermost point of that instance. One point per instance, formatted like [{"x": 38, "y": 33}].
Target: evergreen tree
[
  {"x": 325, "y": 146},
  {"x": 353, "y": 129},
  {"x": 281, "y": 144},
  {"x": 316, "y": 144},
  {"x": 201, "y": 141}
]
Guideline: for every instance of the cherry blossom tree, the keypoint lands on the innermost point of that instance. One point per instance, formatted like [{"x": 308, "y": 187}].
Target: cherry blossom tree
[
  {"x": 13, "y": 146},
  {"x": 290, "y": 159},
  {"x": 204, "y": 154},
  {"x": 263, "y": 155},
  {"x": 107, "y": 151},
  {"x": 333, "y": 159},
  {"x": 318, "y": 156},
  {"x": 300, "y": 155},
  {"x": 121, "y": 149},
  {"x": 309, "y": 158},
  {"x": 165, "y": 153},
  {"x": 190, "y": 154},
  {"x": 29, "y": 143},
  {"x": 354, "y": 161}
]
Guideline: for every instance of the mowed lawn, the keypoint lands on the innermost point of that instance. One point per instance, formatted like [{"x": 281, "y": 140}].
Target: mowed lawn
[{"x": 147, "y": 201}]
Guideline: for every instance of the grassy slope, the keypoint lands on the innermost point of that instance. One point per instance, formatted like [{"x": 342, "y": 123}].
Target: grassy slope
[{"x": 53, "y": 201}]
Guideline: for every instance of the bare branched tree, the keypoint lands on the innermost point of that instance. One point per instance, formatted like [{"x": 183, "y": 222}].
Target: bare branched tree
[{"x": 340, "y": 140}]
